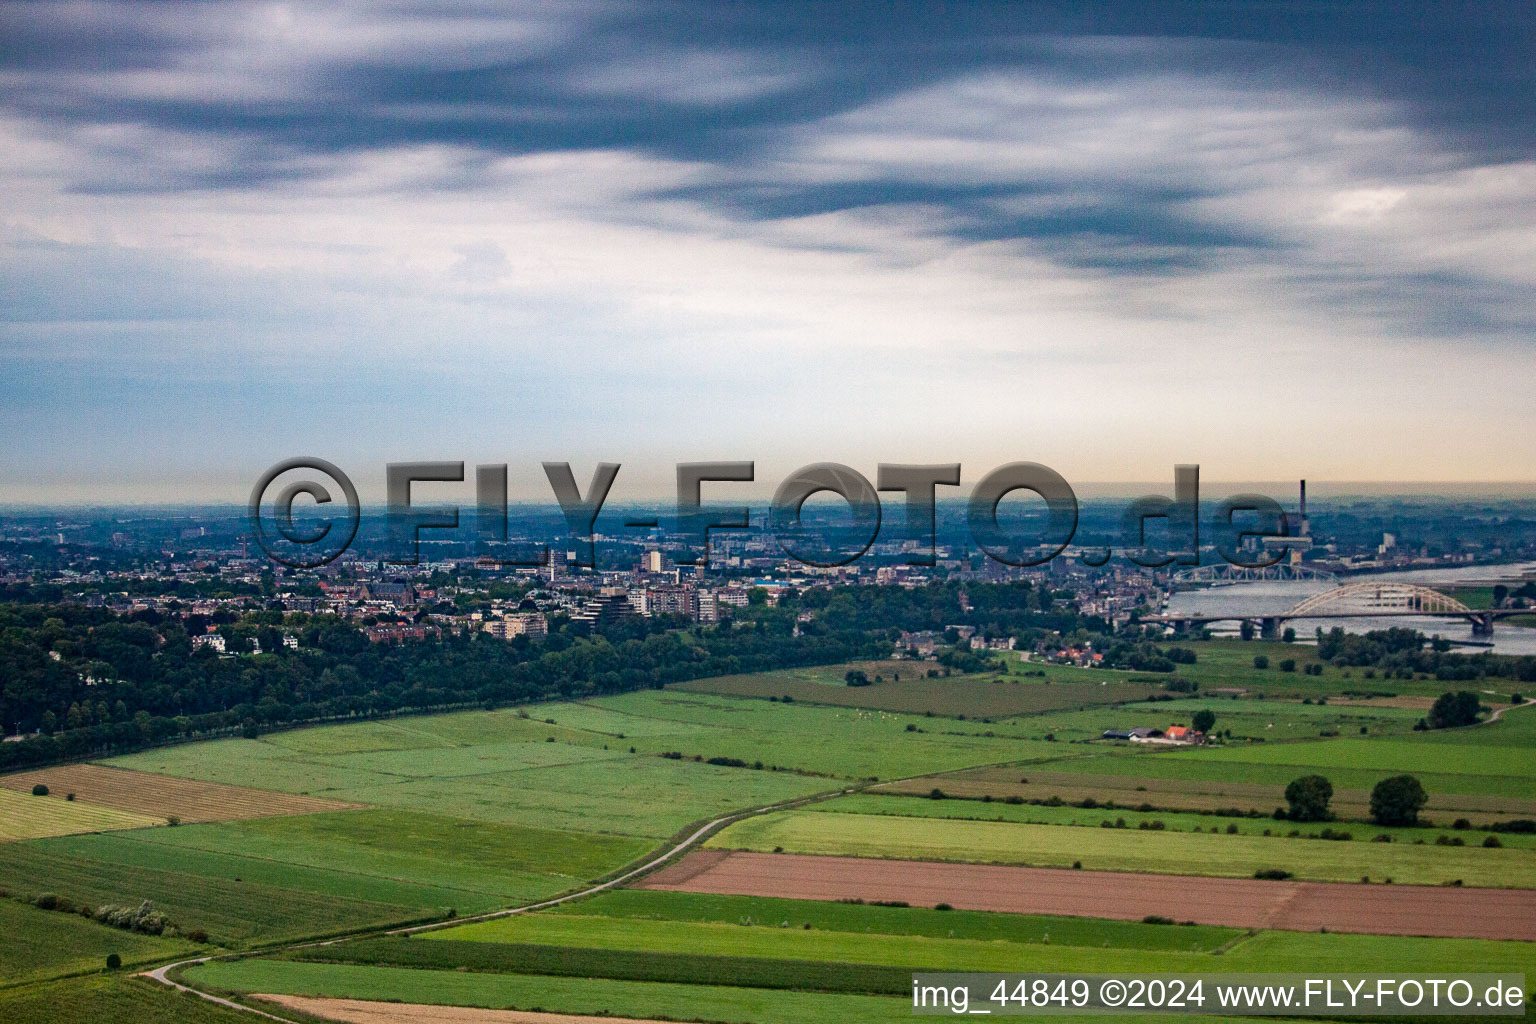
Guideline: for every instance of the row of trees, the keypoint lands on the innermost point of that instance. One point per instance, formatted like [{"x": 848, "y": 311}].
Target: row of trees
[
  {"x": 1403, "y": 653},
  {"x": 1394, "y": 801}
]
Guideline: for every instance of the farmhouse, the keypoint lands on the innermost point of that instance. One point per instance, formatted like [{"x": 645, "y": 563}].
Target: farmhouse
[{"x": 1146, "y": 734}]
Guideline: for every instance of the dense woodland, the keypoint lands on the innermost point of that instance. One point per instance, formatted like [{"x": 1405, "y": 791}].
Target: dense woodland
[
  {"x": 122, "y": 683},
  {"x": 83, "y": 681}
]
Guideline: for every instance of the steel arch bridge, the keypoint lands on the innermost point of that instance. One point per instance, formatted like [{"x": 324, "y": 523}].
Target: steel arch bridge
[
  {"x": 1247, "y": 574},
  {"x": 1368, "y": 598}
]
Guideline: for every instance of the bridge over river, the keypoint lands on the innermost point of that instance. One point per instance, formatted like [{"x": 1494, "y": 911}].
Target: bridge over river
[{"x": 1365, "y": 600}]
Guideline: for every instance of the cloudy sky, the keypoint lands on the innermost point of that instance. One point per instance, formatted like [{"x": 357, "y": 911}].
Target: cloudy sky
[{"x": 1277, "y": 239}]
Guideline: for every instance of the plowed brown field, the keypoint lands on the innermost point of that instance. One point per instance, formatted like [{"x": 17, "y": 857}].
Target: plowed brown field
[
  {"x": 1235, "y": 902},
  {"x": 161, "y": 796}
]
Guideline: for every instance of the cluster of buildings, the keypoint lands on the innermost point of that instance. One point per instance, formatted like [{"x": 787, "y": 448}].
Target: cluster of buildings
[
  {"x": 1179, "y": 735},
  {"x": 217, "y": 642},
  {"x": 924, "y": 643}
]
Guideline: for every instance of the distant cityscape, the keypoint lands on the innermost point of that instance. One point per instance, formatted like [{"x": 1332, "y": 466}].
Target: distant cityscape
[{"x": 194, "y": 562}]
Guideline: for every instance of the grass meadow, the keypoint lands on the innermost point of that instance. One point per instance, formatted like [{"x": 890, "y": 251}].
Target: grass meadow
[
  {"x": 45, "y": 943},
  {"x": 116, "y": 998},
  {"x": 904, "y": 687}
]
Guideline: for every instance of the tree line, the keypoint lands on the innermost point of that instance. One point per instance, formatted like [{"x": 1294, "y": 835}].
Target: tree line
[{"x": 84, "y": 682}]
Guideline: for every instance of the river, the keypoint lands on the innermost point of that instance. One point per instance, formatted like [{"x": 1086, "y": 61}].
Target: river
[{"x": 1271, "y": 596}]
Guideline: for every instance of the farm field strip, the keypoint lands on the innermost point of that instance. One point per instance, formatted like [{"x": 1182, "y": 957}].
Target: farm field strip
[
  {"x": 582, "y": 787},
  {"x": 161, "y": 796},
  {"x": 1175, "y": 821},
  {"x": 24, "y": 816},
  {"x": 594, "y": 961},
  {"x": 1233, "y": 902},
  {"x": 338, "y": 882},
  {"x": 110, "y": 998},
  {"x": 1192, "y": 765},
  {"x": 643, "y": 905},
  {"x": 768, "y": 941},
  {"x": 1382, "y": 755},
  {"x": 362, "y": 1011},
  {"x": 1267, "y": 720},
  {"x": 233, "y": 911},
  {"x": 1126, "y": 850},
  {"x": 1127, "y": 790},
  {"x": 510, "y": 861},
  {"x": 627, "y": 795},
  {"x": 773, "y": 942},
  {"x": 975, "y": 696}
]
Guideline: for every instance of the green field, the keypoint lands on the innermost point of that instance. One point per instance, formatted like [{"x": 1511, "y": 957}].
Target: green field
[
  {"x": 110, "y": 999},
  {"x": 1516, "y": 727},
  {"x": 232, "y": 909},
  {"x": 44, "y": 944},
  {"x": 1502, "y": 765},
  {"x": 1291, "y": 760},
  {"x": 1181, "y": 853},
  {"x": 1268, "y": 720},
  {"x": 1227, "y": 663},
  {"x": 904, "y": 687},
  {"x": 593, "y": 961},
  {"x": 915, "y": 951},
  {"x": 769, "y": 912},
  {"x": 1175, "y": 821},
  {"x": 573, "y": 782},
  {"x": 494, "y": 863}
]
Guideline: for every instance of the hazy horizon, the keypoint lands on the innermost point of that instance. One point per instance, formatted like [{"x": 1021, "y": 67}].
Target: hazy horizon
[{"x": 726, "y": 493}]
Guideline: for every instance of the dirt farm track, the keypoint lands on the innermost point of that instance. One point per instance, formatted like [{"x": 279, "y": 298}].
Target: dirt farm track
[{"x": 1235, "y": 902}]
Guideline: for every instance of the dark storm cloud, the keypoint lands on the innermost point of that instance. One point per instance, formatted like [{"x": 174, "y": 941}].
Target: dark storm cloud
[
  {"x": 1464, "y": 67},
  {"x": 740, "y": 89}
]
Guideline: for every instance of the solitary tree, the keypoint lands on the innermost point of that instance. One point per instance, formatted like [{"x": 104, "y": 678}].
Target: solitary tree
[
  {"x": 1261, "y": 661},
  {"x": 856, "y": 677},
  {"x": 1203, "y": 720},
  {"x": 1308, "y": 797},
  {"x": 1398, "y": 800},
  {"x": 1453, "y": 709}
]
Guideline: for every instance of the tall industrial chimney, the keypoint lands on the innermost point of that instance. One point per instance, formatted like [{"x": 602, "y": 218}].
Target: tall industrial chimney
[{"x": 1306, "y": 529}]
